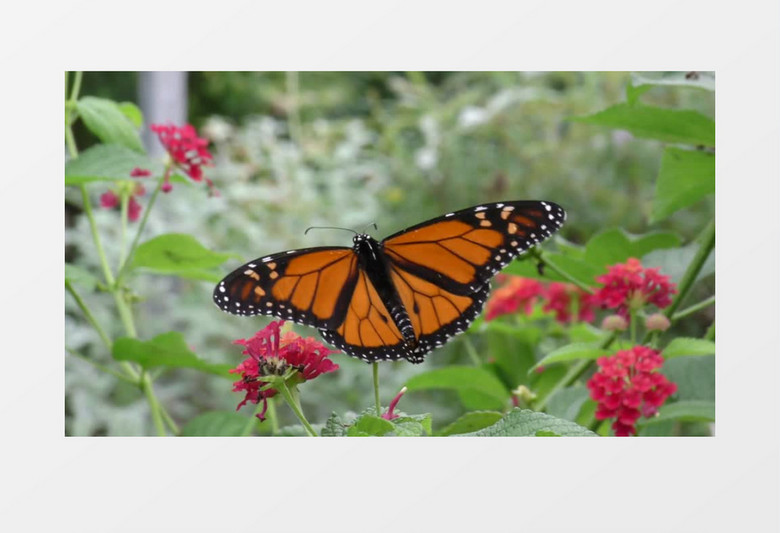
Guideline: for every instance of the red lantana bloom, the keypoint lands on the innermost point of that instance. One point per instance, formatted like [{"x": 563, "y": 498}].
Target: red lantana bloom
[
  {"x": 187, "y": 150},
  {"x": 628, "y": 386},
  {"x": 562, "y": 299},
  {"x": 630, "y": 286},
  {"x": 271, "y": 353},
  {"x": 517, "y": 294}
]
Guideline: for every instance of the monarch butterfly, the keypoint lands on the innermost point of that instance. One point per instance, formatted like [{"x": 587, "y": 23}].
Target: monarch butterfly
[{"x": 398, "y": 298}]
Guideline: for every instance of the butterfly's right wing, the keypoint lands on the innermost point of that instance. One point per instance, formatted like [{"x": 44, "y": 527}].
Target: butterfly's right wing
[{"x": 312, "y": 286}]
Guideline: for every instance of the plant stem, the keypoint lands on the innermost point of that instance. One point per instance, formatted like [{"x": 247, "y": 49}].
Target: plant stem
[
  {"x": 125, "y": 264},
  {"x": 125, "y": 198},
  {"x": 101, "y": 367},
  {"x": 707, "y": 241},
  {"x": 471, "y": 351},
  {"x": 88, "y": 314},
  {"x": 292, "y": 400},
  {"x": 558, "y": 270},
  {"x": 710, "y": 333},
  {"x": 146, "y": 386},
  {"x": 573, "y": 374},
  {"x": 376, "y": 388},
  {"x": 694, "y": 308}
]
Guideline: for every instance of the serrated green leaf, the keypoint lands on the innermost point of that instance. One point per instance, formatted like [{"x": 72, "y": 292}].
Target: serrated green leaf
[
  {"x": 667, "y": 125},
  {"x": 132, "y": 112},
  {"x": 179, "y": 254},
  {"x": 215, "y": 424},
  {"x": 334, "y": 427},
  {"x": 686, "y": 176},
  {"x": 687, "y": 346},
  {"x": 686, "y": 411},
  {"x": 370, "y": 426},
  {"x": 470, "y": 422},
  {"x": 107, "y": 162},
  {"x": 475, "y": 386},
  {"x": 526, "y": 423},
  {"x": 616, "y": 245},
  {"x": 108, "y": 122},
  {"x": 79, "y": 276},
  {"x": 166, "y": 349},
  {"x": 571, "y": 352}
]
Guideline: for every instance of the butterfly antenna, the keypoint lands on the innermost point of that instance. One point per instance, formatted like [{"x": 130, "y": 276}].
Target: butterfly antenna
[
  {"x": 328, "y": 227},
  {"x": 371, "y": 224}
]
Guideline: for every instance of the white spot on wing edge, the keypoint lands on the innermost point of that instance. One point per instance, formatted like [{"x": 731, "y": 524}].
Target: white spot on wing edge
[{"x": 480, "y": 208}]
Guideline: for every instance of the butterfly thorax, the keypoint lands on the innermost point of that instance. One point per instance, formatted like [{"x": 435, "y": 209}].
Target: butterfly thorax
[{"x": 374, "y": 264}]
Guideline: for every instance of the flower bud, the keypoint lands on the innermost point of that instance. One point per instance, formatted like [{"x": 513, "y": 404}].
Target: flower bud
[
  {"x": 614, "y": 323},
  {"x": 657, "y": 322}
]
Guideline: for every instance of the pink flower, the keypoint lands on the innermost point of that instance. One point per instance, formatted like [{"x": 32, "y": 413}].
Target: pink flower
[
  {"x": 518, "y": 293},
  {"x": 627, "y": 386},
  {"x": 138, "y": 172},
  {"x": 187, "y": 150},
  {"x": 272, "y": 354},
  {"x": 389, "y": 415},
  {"x": 109, "y": 200},
  {"x": 630, "y": 286},
  {"x": 564, "y": 298}
]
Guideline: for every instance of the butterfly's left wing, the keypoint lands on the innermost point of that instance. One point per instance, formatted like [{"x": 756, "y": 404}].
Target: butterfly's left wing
[{"x": 441, "y": 268}]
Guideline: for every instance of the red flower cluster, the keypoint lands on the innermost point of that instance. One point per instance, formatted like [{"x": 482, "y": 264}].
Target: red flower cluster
[
  {"x": 561, "y": 299},
  {"x": 627, "y": 386},
  {"x": 630, "y": 286},
  {"x": 273, "y": 354},
  {"x": 110, "y": 199},
  {"x": 187, "y": 150},
  {"x": 520, "y": 294}
]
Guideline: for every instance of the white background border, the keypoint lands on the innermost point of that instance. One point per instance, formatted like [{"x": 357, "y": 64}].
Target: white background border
[{"x": 726, "y": 483}]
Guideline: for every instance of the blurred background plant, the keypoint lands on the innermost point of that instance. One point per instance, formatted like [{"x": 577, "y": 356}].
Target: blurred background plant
[{"x": 293, "y": 150}]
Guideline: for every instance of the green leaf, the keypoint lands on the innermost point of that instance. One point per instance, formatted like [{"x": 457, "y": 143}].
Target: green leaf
[
  {"x": 694, "y": 376},
  {"x": 370, "y": 426},
  {"x": 179, "y": 254},
  {"x": 616, "y": 245},
  {"x": 686, "y": 176},
  {"x": 108, "y": 122},
  {"x": 576, "y": 267},
  {"x": 411, "y": 425},
  {"x": 132, "y": 112},
  {"x": 334, "y": 427},
  {"x": 477, "y": 388},
  {"x": 215, "y": 424},
  {"x": 688, "y": 346},
  {"x": 686, "y": 411},
  {"x": 107, "y": 162},
  {"x": 566, "y": 403},
  {"x": 667, "y": 125},
  {"x": 167, "y": 349},
  {"x": 79, "y": 276},
  {"x": 674, "y": 262},
  {"x": 470, "y": 422},
  {"x": 527, "y": 423},
  {"x": 571, "y": 352}
]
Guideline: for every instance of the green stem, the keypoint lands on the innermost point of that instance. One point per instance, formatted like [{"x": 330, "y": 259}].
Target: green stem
[
  {"x": 471, "y": 351},
  {"x": 109, "y": 277},
  {"x": 102, "y": 368},
  {"x": 88, "y": 314},
  {"x": 292, "y": 401},
  {"x": 272, "y": 417},
  {"x": 707, "y": 241},
  {"x": 573, "y": 374},
  {"x": 538, "y": 254},
  {"x": 168, "y": 420},
  {"x": 376, "y": 388},
  {"x": 125, "y": 265},
  {"x": 694, "y": 308},
  {"x": 632, "y": 317},
  {"x": 125, "y": 200},
  {"x": 74, "y": 93},
  {"x": 146, "y": 386}
]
